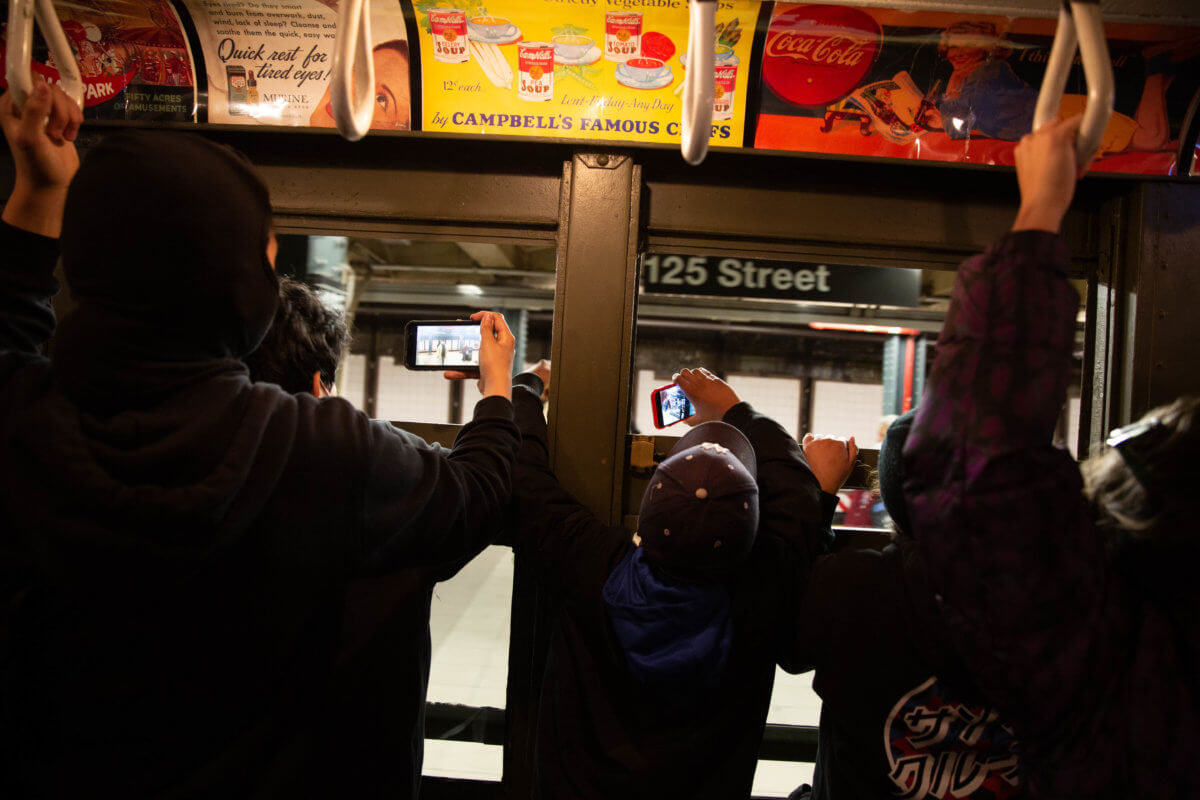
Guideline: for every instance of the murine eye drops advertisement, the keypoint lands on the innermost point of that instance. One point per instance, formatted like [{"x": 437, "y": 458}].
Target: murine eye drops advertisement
[
  {"x": 595, "y": 69},
  {"x": 269, "y": 62}
]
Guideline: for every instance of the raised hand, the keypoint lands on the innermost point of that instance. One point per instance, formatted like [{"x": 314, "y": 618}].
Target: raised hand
[
  {"x": 42, "y": 140},
  {"x": 831, "y": 459},
  {"x": 497, "y": 345},
  {"x": 1047, "y": 171},
  {"x": 542, "y": 370},
  {"x": 710, "y": 395}
]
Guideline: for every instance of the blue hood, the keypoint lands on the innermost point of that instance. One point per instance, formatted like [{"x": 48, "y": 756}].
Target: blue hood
[{"x": 675, "y": 634}]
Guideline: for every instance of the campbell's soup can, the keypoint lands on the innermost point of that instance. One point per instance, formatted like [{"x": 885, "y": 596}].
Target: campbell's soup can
[
  {"x": 723, "y": 93},
  {"x": 449, "y": 27},
  {"x": 622, "y": 35},
  {"x": 535, "y": 70}
]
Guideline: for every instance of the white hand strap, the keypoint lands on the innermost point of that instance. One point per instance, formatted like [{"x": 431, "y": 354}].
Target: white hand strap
[
  {"x": 699, "y": 81},
  {"x": 21, "y": 14},
  {"x": 352, "y": 60},
  {"x": 1082, "y": 16}
]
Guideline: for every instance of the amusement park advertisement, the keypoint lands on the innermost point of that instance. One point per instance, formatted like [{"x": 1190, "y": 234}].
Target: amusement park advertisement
[
  {"x": 269, "y": 61},
  {"x": 604, "y": 69},
  {"x": 954, "y": 87},
  {"x": 133, "y": 57}
]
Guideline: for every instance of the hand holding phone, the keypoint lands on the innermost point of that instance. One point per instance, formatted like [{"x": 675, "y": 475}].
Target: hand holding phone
[
  {"x": 710, "y": 395},
  {"x": 485, "y": 349},
  {"x": 670, "y": 405}
]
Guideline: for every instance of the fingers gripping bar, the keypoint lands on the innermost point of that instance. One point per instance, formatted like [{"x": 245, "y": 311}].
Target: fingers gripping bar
[
  {"x": 353, "y": 62},
  {"x": 21, "y": 15},
  {"x": 699, "y": 81},
  {"x": 1079, "y": 24}
]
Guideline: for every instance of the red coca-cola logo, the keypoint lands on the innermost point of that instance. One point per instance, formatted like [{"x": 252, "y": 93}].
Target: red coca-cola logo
[{"x": 816, "y": 55}]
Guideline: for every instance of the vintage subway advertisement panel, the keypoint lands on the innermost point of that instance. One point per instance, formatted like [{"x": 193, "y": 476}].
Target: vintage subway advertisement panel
[
  {"x": 133, "y": 56},
  {"x": 600, "y": 69},
  {"x": 269, "y": 61},
  {"x": 958, "y": 87}
]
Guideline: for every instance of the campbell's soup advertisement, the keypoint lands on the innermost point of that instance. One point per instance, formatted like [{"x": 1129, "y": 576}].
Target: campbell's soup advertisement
[
  {"x": 589, "y": 71},
  {"x": 133, "y": 57},
  {"x": 959, "y": 87},
  {"x": 269, "y": 62}
]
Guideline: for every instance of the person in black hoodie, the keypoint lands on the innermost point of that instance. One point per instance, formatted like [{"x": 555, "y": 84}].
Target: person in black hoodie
[
  {"x": 175, "y": 541},
  {"x": 665, "y": 648},
  {"x": 900, "y": 714},
  {"x": 372, "y": 736}
]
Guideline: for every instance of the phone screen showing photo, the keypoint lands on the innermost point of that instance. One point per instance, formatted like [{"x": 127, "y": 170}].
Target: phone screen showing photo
[
  {"x": 449, "y": 346},
  {"x": 673, "y": 405}
]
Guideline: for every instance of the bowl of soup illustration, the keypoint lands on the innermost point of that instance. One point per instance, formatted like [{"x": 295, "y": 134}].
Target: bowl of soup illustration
[
  {"x": 488, "y": 27},
  {"x": 571, "y": 47},
  {"x": 644, "y": 70}
]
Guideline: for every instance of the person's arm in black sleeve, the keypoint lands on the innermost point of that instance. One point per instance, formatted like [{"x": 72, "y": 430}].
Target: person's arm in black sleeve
[
  {"x": 796, "y": 528},
  {"x": 424, "y": 505},
  {"x": 567, "y": 541},
  {"x": 41, "y": 142},
  {"x": 790, "y": 498},
  {"x": 26, "y": 285},
  {"x": 789, "y": 495}
]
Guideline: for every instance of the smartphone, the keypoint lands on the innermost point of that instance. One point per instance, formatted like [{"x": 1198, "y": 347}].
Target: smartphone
[
  {"x": 670, "y": 405},
  {"x": 442, "y": 344},
  {"x": 235, "y": 74}
]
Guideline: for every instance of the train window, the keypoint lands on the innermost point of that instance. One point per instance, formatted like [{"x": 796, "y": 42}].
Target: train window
[
  {"x": 838, "y": 368},
  {"x": 382, "y": 285}
]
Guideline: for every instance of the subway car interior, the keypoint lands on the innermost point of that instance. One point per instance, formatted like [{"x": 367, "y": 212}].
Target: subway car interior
[{"x": 806, "y": 255}]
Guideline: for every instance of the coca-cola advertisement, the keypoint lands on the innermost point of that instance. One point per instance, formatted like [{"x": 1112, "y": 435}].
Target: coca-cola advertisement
[
  {"x": 959, "y": 87},
  {"x": 133, "y": 57}
]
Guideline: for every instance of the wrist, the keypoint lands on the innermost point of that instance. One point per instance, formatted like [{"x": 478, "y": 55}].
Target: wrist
[
  {"x": 36, "y": 209},
  {"x": 502, "y": 388},
  {"x": 1035, "y": 218},
  {"x": 830, "y": 487}
]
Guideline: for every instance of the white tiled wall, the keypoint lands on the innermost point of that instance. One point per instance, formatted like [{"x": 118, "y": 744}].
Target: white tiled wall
[
  {"x": 848, "y": 409},
  {"x": 643, "y": 418},
  {"x": 486, "y": 762},
  {"x": 469, "y": 760},
  {"x": 780, "y": 778},
  {"x": 468, "y": 624},
  {"x": 354, "y": 379},
  {"x": 411, "y": 395},
  {"x": 793, "y": 702},
  {"x": 778, "y": 398}
]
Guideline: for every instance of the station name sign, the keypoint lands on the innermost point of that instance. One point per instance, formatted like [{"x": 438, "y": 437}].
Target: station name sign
[{"x": 780, "y": 280}]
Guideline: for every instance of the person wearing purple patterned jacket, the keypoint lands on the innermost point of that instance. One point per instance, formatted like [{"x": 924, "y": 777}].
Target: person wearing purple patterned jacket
[{"x": 1072, "y": 600}]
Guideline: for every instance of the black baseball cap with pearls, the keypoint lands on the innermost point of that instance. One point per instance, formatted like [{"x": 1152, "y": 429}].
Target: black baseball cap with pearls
[{"x": 699, "y": 515}]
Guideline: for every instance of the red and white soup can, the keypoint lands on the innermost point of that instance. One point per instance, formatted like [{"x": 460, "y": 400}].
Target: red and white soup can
[
  {"x": 535, "y": 70},
  {"x": 726, "y": 77},
  {"x": 622, "y": 35},
  {"x": 449, "y": 28}
]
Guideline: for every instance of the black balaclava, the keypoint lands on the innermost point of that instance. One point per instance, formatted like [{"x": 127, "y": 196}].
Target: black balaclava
[{"x": 164, "y": 248}]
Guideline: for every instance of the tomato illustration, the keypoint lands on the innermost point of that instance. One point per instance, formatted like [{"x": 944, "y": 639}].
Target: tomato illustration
[{"x": 657, "y": 45}]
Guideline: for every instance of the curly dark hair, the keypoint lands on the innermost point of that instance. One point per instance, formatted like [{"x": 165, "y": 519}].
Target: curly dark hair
[{"x": 305, "y": 338}]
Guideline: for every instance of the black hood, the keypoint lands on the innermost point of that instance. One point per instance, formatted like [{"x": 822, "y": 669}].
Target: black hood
[{"x": 164, "y": 248}]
